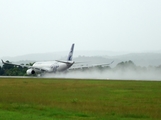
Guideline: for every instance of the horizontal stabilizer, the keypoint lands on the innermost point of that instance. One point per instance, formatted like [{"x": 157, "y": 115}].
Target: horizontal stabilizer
[{"x": 67, "y": 62}]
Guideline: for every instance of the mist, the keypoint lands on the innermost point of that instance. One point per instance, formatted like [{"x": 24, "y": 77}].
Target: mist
[
  {"x": 115, "y": 74},
  {"x": 122, "y": 71}
]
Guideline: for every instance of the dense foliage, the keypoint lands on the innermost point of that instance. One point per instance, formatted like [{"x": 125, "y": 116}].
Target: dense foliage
[{"x": 11, "y": 70}]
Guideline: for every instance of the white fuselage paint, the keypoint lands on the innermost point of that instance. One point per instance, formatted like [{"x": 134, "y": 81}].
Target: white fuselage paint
[{"x": 51, "y": 66}]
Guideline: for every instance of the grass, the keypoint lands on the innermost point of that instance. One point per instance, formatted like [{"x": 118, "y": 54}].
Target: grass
[{"x": 57, "y": 99}]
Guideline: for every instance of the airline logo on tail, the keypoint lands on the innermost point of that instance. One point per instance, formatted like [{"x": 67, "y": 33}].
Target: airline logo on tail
[{"x": 71, "y": 53}]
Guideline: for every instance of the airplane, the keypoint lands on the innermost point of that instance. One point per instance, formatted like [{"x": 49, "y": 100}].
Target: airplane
[
  {"x": 40, "y": 68},
  {"x": 48, "y": 66}
]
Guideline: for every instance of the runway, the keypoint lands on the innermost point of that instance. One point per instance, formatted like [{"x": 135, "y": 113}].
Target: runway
[
  {"x": 17, "y": 77},
  {"x": 65, "y": 78},
  {"x": 50, "y": 77}
]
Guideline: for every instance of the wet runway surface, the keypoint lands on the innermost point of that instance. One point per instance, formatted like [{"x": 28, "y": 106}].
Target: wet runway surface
[{"x": 33, "y": 77}]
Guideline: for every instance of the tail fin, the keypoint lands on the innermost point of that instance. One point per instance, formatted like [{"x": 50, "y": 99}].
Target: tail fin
[{"x": 70, "y": 53}]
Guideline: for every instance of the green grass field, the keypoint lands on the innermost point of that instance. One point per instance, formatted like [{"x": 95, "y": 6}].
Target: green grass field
[{"x": 57, "y": 99}]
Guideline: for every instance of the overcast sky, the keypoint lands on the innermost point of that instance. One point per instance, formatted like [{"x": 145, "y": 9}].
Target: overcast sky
[{"x": 40, "y": 26}]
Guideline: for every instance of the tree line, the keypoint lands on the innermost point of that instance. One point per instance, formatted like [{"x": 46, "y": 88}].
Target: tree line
[{"x": 12, "y": 70}]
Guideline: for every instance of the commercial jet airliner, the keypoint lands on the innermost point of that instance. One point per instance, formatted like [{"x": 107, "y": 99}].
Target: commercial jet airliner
[{"x": 50, "y": 66}]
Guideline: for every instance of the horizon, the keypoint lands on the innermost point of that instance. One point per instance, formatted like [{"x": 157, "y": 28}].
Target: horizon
[{"x": 83, "y": 52}]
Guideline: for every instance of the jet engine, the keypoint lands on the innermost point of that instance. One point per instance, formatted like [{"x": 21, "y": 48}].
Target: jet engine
[{"x": 30, "y": 72}]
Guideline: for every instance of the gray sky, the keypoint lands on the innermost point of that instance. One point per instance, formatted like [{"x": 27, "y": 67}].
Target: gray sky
[{"x": 39, "y": 26}]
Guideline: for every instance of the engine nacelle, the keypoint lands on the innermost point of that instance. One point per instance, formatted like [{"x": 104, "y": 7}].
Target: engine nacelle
[{"x": 30, "y": 72}]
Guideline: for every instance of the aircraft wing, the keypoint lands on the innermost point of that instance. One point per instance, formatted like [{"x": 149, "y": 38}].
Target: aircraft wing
[
  {"x": 90, "y": 66},
  {"x": 8, "y": 63},
  {"x": 27, "y": 66},
  {"x": 103, "y": 64}
]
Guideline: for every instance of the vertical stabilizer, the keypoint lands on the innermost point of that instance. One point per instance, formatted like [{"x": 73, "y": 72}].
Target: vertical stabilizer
[{"x": 71, "y": 53}]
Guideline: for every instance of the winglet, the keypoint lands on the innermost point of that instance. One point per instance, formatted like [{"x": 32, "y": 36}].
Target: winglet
[
  {"x": 2, "y": 61},
  {"x": 71, "y": 53},
  {"x": 112, "y": 62}
]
